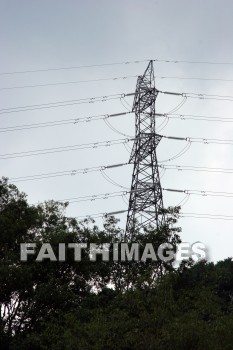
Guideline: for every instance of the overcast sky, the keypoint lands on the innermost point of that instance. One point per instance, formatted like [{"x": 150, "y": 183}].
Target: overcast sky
[{"x": 51, "y": 34}]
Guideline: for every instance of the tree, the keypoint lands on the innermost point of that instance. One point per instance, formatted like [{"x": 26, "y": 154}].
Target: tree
[
  {"x": 32, "y": 292},
  {"x": 115, "y": 305}
]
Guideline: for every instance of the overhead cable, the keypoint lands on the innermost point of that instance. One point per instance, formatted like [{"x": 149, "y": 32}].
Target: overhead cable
[
  {"x": 71, "y": 172},
  {"x": 194, "y": 117},
  {"x": 63, "y": 148},
  {"x": 61, "y": 122},
  {"x": 67, "y": 83},
  {"x": 113, "y": 64},
  {"x": 200, "y": 192},
  {"x": 195, "y": 168},
  {"x": 201, "y": 96},
  {"x": 181, "y": 215},
  {"x": 63, "y": 103},
  {"x": 200, "y": 140},
  {"x": 73, "y": 67}
]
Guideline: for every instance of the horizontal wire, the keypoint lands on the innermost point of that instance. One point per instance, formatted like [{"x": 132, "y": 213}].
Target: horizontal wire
[
  {"x": 68, "y": 82},
  {"x": 193, "y": 62},
  {"x": 114, "y": 63},
  {"x": 71, "y": 172},
  {"x": 105, "y": 116},
  {"x": 200, "y": 140},
  {"x": 206, "y": 216},
  {"x": 96, "y": 196},
  {"x": 194, "y": 117},
  {"x": 61, "y": 122},
  {"x": 181, "y": 215},
  {"x": 63, "y": 103},
  {"x": 193, "y": 78},
  {"x": 64, "y": 148},
  {"x": 92, "y": 99},
  {"x": 104, "y": 143},
  {"x": 201, "y": 96},
  {"x": 109, "y": 79},
  {"x": 73, "y": 67},
  {"x": 121, "y": 193},
  {"x": 68, "y": 148},
  {"x": 58, "y": 102},
  {"x": 93, "y": 197},
  {"x": 98, "y": 215},
  {"x": 201, "y": 192},
  {"x": 195, "y": 168},
  {"x": 105, "y": 98}
]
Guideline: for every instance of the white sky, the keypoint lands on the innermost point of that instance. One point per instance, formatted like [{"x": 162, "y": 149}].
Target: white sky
[{"x": 54, "y": 33}]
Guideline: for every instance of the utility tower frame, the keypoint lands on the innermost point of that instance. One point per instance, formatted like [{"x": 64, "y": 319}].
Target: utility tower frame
[{"x": 146, "y": 202}]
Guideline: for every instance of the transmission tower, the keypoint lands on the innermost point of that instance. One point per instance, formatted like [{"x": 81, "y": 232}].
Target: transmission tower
[{"x": 146, "y": 201}]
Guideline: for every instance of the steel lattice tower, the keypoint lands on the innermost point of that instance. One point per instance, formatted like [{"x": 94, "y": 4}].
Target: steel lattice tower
[{"x": 146, "y": 201}]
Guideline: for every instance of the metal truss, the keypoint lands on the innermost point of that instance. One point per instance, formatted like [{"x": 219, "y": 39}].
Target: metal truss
[{"x": 146, "y": 201}]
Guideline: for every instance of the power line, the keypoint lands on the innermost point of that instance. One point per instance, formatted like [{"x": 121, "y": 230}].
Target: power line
[
  {"x": 200, "y": 140},
  {"x": 64, "y": 103},
  {"x": 194, "y": 117},
  {"x": 179, "y": 154},
  {"x": 195, "y": 168},
  {"x": 121, "y": 193},
  {"x": 61, "y": 122},
  {"x": 106, "y": 143},
  {"x": 63, "y": 149},
  {"x": 68, "y": 82},
  {"x": 71, "y": 172},
  {"x": 181, "y": 215},
  {"x": 194, "y": 78},
  {"x": 201, "y": 192},
  {"x": 66, "y": 148},
  {"x": 111, "y": 181},
  {"x": 96, "y": 196},
  {"x": 98, "y": 215},
  {"x": 106, "y": 116},
  {"x": 206, "y": 216},
  {"x": 201, "y": 96},
  {"x": 109, "y": 79},
  {"x": 106, "y": 98},
  {"x": 113, "y": 64},
  {"x": 193, "y": 62},
  {"x": 73, "y": 67}
]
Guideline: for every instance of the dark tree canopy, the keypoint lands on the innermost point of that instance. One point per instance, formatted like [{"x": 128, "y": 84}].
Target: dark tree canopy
[{"x": 103, "y": 305}]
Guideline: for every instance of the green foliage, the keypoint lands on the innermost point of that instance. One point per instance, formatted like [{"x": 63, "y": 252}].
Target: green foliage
[{"x": 104, "y": 305}]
